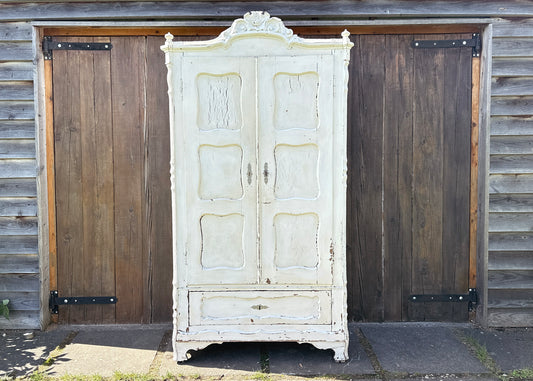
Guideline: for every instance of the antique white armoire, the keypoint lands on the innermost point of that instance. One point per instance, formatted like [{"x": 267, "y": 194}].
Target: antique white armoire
[{"x": 258, "y": 170}]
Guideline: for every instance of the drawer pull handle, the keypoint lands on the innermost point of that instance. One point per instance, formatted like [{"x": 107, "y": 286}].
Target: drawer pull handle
[{"x": 259, "y": 307}]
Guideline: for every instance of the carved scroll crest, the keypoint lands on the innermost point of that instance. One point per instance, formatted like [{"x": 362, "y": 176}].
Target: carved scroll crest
[{"x": 258, "y": 22}]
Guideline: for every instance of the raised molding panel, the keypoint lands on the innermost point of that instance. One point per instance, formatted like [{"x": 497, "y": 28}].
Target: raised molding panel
[
  {"x": 219, "y": 101},
  {"x": 296, "y": 241},
  {"x": 222, "y": 238},
  {"x": 296, "y": 171},
  {"x": 220, "y": 172},
  {"x": 296, "y": 100},
  {"x": 258, "y": 172}
]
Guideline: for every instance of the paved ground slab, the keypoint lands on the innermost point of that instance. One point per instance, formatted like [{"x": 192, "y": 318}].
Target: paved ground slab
[
  {"x": 306, "y": 360},
  {"x": 104, "y": 351},
  {"x": 420, "y": 348},
  {"x": 510, "y": 348},
  {"x": 450, "y": 377},
  {"x": 20, "y": 356}
]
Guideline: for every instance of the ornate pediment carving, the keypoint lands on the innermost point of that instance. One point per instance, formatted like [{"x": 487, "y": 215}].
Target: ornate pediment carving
[{"x": 258, "y": 22}]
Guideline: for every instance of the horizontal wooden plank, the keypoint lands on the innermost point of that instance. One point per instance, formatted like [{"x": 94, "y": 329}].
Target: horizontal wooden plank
[
  {"x": 16, "y": 91},
  {"x": 18, "y": 226},
  {"x": 15, "y": 31},
  {"x": 516, "y": 145},
  {"x": 513, "y": 28},
  {"x": 21, "y": 320},
  {"x": 18, "y": 188},
  {"x": 19, "y": 282},
  {"x": 511, "y": 279},
  {"x": 21, "y": 301},
  {"x": 511, "y": 164},
  {"x": 19, "y": 264},
  {"x": 511, "y": 260},
  {"x": 12, "y": 110},
  {"x": 16, "y": 71},
  {"x": 512, "y": 66},
  {"x": 509, "y": 86},
  {"x": 16, "y": 51},
  {"x": 23, "y": 244},
  {"x": 20, "y": 168},
  {"x": 18, "y": 206},
  {"x": 510, "y": 298},
  {"x": 511, "y": 125},
  {"x": 522, "y": 105},
  {"x": 510, "y": 222},
  {"x": 510, "y": 318},
  {"x": 511, "y": 242},
  {"x": 512, "y": 47},
  {"x": 511, "y": 183},
  {"x": 17, "y": 129},
  {"x": 17, "y": 148},
  {"x": 511, "y": 203},
  {"x": 284, "y": 9}
]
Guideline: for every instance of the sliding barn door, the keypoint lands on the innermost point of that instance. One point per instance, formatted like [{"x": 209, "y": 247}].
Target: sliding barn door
[
  {"x": 112, "y": 182},
  {"x": 409, "y": 172}
]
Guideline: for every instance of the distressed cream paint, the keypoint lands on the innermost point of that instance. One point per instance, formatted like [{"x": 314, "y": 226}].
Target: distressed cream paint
[{"x": 258, "y": 170}]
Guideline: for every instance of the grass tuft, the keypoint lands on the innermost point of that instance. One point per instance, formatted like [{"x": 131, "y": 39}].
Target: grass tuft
[
  {"x": 259, "y": 376},
  {"x": 522, "y": 374}
]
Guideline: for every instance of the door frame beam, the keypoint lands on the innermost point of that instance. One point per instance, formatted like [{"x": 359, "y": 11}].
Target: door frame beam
[{"x": 480, "y": 113}]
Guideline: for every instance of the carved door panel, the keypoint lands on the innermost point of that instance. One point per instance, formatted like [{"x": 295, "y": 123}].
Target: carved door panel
[
  {"x": 295, "y": 155},
  {"x": 219, "y": 133}
]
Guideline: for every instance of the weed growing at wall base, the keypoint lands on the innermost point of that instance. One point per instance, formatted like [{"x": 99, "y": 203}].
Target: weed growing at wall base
[{"x": 4, "y": 309}]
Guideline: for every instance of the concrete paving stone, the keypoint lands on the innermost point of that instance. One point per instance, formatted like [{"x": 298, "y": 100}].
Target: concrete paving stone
[
  {"x": 305, "y": 359},
  {"x": 510, "y": 348},
  {"x": 106, "y": 350},
  {"x": 20, "y": 357},
  {"x": 227, "y": 360},
  {"x": 449, "y": 377},
  {"x": 420, "y": 348}
]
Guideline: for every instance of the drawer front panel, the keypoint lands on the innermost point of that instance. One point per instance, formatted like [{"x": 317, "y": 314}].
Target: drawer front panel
[{"x": 260, "y": 307}]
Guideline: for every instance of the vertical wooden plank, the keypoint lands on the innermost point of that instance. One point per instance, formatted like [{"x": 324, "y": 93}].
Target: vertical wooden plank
[
  {"x": 364, "y": 214},
  {"x": 397, "y": 176},
  {"x": 427, "y": 178},
  {"x": 50, "y": 180},
  {"x": 474, "y": 166},
  {"x": 97, "y": 182},
  {"x": 89, "y": 278},
  {"x": 69, "y": 213},
  {"x": 128, "y": 76},
  {"x": 456, "y": 175},
  {"x": 483, "y": 173},
  {"x": 157, "y": 197},
  {"x": 105, "y": 224}
]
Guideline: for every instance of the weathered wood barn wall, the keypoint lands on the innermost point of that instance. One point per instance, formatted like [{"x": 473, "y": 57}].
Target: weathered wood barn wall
[{"x": 507, "y": 283}]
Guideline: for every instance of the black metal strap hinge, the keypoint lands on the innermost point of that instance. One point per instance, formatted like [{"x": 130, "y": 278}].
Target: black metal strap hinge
[
  {"x": 474, "y": 43},
  {"x": 49, "y": 46},
  {"x": 55, "y": 301},
  {"x": 471, "y": 298}
]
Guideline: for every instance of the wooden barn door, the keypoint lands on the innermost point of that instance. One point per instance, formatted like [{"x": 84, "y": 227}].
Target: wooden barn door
[
  {"x": 409, "y": 177},
  {"x": 112, "y": 185}
]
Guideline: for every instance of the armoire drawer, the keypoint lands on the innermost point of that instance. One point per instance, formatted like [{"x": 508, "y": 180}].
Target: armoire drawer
[{"x": 259, "y": 307}]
